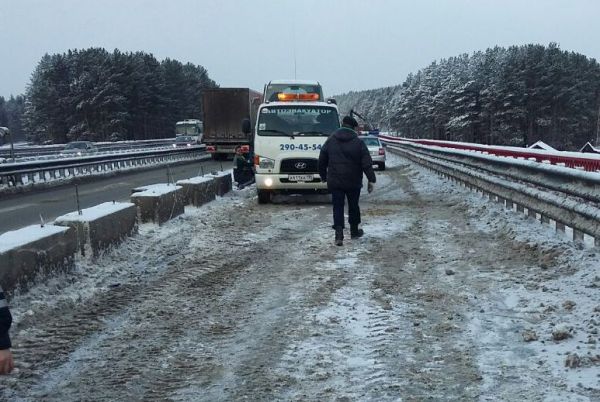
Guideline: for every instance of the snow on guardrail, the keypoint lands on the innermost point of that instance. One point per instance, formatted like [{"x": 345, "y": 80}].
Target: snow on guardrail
[
  {"x": 568, "y": 197},
  {"x": 575, "y": 160}
]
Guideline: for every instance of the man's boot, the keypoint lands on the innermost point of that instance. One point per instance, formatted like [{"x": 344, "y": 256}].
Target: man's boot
[
  {"x": 355, "y": 232},
  {"x": 339, "y": 236}
]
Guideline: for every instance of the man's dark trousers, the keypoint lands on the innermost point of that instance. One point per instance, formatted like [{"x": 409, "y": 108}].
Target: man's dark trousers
[{"x": 338, "y": 198}]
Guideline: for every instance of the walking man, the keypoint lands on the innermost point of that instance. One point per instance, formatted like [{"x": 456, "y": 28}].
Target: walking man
[
  {"x": 6, "y": 359},
  {"x": 343, "y": 159}
]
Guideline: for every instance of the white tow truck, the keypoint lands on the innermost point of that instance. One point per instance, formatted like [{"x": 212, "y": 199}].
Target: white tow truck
[{"x": 290, "y": 130}]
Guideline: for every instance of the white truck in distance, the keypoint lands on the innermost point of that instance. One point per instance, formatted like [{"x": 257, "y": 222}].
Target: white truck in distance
[{"x": 289, "y": 134}]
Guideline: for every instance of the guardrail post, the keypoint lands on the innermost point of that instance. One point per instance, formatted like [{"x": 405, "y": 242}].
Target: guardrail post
[
  {"x": 544, "y": 219},
  {"x": 578, "y": 235},
  {"x": 531, "y": 213},
  {"x": 77, "y": 197},
  {"x": 560, "y": 227},
  {"x": 520, "y": 208}
]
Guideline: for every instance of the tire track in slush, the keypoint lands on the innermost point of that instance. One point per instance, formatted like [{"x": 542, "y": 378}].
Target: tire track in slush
[{"x": 354, "y": 335}]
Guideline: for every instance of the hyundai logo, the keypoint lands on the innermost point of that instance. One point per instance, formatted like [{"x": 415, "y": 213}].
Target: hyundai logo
[{"x": 300, "y": 165}]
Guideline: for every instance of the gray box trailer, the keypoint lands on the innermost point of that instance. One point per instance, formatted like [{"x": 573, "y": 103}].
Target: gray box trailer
[{"x": 224, "y": 111}]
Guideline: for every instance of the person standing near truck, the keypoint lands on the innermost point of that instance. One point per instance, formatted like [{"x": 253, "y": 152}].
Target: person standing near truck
[
  {"x": 6, "y": 358},
  {"x": 242, "y": 168},
  {"x": 342, "y": 161}
]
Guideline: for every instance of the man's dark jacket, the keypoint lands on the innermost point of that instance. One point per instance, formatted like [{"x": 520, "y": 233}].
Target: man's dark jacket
[
  {"x": 5, "y": 322},
  {"x": 343, "y": 159}
]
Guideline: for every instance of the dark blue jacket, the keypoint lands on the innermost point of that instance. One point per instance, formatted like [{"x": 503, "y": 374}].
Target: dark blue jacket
[
  {"x": 343, "y": 159},
  {"x": 5, "y": 322}
]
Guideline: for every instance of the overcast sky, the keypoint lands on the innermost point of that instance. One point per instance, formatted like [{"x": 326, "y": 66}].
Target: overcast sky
[{"x": 344, "y": 44}]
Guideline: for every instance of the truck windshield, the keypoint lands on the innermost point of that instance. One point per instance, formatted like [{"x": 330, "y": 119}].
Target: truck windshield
[
  {"x": 188, "y": 129},
  {"x": 297, "y": 120}
]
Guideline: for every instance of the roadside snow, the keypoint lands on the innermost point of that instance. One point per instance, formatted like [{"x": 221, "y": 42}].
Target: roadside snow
[{"x": 562, "y": 291}]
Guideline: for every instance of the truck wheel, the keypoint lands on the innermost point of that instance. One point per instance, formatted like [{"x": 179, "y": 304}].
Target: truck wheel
[
  {"x": 264, "y": 196},
  {"x": 382, "y": 166}
]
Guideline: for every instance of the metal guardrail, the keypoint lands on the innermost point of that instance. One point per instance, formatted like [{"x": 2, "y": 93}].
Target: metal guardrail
[
  {"x": 55, "y": 150},
  {"x": 569, "y": 198},
  {"x": 30, "y": 173},
  {"x": 575, "y": 160}
]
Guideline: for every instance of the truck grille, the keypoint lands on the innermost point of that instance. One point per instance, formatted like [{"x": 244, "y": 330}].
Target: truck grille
[{"x": 300, "y": 165}]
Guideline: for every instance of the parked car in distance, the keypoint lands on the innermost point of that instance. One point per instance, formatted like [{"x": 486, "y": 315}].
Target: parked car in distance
[
  {"x": 376, "y": 150},
  {"x": 185, "y": 141},
  {"x": 79, "y": 148}
]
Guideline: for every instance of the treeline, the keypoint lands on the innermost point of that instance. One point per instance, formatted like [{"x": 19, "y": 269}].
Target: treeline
[
  {"x": 513, "y": 96},
  {"x": 11, "y": 114},
  {"x": 96, "y": 95},
  {"x": 377, "y": 105}
]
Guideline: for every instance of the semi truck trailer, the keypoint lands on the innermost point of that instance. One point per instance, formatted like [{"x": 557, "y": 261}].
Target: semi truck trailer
[{"x": 224, "y": 111}]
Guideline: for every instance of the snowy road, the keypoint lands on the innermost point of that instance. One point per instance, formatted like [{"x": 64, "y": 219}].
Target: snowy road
[{"x": 235, "y": 301}]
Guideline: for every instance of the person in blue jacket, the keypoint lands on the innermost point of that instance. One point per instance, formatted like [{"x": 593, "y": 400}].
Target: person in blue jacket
[
  {"x": 6, "y": 359},
  {"x": 343, "y": 159}
]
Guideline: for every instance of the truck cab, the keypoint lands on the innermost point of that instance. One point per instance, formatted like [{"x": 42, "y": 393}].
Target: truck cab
[{"x": 289, "y": 134}]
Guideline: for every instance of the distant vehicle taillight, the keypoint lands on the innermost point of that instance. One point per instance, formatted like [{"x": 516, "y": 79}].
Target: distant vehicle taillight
[
  {"x": 245, "y": 149},
  {"x": 211, "y": 148},
  {"x": 381, "y": 151}
]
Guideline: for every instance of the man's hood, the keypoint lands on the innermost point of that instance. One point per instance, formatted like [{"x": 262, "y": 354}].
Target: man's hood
[{"x": 344, "y": 134}]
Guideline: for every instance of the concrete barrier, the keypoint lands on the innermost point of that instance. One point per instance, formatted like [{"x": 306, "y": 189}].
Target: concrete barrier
[
  {"x": 35, "y": 251},
  {"x": 158, "y": 202},
  {"x": 198, "y": 190},
  {"x": 101, "y": 226},
  {"x": 223, "y": 182}
]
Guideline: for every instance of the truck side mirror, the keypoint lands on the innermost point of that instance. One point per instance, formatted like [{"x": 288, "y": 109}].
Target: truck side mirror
[{"x": 246, "y": 126}]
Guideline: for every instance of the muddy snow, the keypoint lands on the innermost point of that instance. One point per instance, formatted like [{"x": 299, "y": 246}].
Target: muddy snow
[{"x": 446, "y": 297}]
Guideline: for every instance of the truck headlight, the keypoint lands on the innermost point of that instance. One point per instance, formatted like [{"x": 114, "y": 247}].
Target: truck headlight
[{"x": 266, "y": 163}]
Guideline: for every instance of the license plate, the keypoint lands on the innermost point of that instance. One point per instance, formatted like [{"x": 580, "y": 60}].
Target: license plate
[
  {"x": 300, "y": 177},
  {"x": 374, "y": 153}
]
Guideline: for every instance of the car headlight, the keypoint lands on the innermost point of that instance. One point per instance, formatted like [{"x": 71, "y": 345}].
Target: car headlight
[{"x": 266, "y": 163}]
